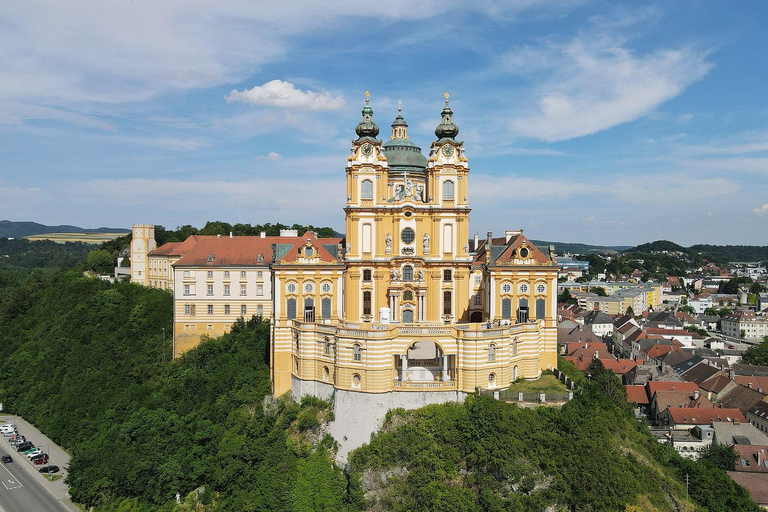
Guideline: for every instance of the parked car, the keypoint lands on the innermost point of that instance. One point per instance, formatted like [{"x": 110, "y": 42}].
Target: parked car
[
  {"x": 30, "y": 450},
  {"x": 33, "y": 453},
  {"x": 7, "y": 458},
  {"x": 41, "y": 460},
  {"x": 38, "y": 456},
  {"x": 10, "y": 433},
  {"x": 24, "y": 446},
  {"x": 49, "y": 469},
  {"x": 19, "y": 440},
  {"x": 7, "y": 426}
]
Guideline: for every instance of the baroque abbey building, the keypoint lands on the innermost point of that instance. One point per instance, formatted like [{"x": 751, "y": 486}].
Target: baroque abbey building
[{"x": 407, "y": 303}]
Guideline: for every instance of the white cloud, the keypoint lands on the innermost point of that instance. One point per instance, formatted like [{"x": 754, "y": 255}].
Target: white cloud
[
  {"x": 176, "y": 144},
  {"x": 763, "y": 210},
  {"x": 271, "y": 156},
  {"x": 594, "y": 83},
  {"x": 277, "y": 93}
]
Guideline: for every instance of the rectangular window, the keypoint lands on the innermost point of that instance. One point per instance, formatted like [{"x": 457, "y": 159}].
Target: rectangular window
[
  {"x": 226, "y": 274},
  {"x": 209, "y": 290},
  {"x": 243, "y": 310},
  {"x": 447, "y": 303},
  {"x": 366, "y": 238},
  {"x": 210, "y": 274},
  {"x": 242, "y": 289},
  {"x": 226, "y": 289},
  {"x": 366, "y": 303},
  {"x": 186, "y": 289},
  {"x": 186, "y": 273},
  {"x": 259, "y": 310},
  {"x": 210, "y": 327},
  {"x": 478, "y": 299},
  {"x": 210, "y": 309},
  {"x": 367, "y": 275},
  {"x": 187, "y": 309},
  {"x": 447, "y": 275},
  {"x": 242, "y": 274},
  {"x": 259, "y": 289},
  {"x": 226, "y": 309},
  {"x": 478, "y": 280},
  {"x": 260, "y": 274}
]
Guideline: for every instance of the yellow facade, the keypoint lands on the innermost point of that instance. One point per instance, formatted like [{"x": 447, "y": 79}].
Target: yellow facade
[{"x": 416, "y": 304}]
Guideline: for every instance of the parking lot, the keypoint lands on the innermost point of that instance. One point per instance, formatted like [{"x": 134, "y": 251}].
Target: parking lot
[{"x": 56, "y": 457}]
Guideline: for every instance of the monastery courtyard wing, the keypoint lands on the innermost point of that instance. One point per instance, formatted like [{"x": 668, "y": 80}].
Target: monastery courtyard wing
[{"x": 408, "y": 302}]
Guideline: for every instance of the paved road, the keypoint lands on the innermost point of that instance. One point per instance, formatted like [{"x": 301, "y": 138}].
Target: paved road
[
  {"x": 22, "y": 491},
  {"x": 54, "y": 494}
]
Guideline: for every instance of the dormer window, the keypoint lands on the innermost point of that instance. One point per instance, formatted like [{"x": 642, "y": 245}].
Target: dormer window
[{"x": 309, "y": 252}]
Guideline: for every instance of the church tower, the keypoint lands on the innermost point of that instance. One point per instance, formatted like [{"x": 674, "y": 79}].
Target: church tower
[
  {"x": 406, "y": 220},
  {"x": 142, "y": 243}
]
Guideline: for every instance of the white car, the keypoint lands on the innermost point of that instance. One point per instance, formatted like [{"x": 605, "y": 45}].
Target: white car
[
  {"x": 7, "y": 426},
  {"x": 36, "y": 452}
]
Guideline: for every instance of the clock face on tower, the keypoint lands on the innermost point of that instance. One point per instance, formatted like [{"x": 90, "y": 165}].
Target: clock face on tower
[
  {"x": 447, "y": 150},
  {"x": 367, "y": 149}
]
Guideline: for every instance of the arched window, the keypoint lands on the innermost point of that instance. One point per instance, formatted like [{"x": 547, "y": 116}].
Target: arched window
[
  {"x": 447, "y": 275},
  {"x": 447, "y": 307},
  {"x": 514, "y": 373},
  {"x": 491, "y": 353},
  {"x": 407, "y": 273},
  {"x": 367, "y": 274},
  {"x": 326, "y": 308},
  {"x": 327, "y": 346},
  {"x": 448, "y": 190},
  {"x": 522, "y": 311},
  {"x": 291, "y": 308},
  {"x": 356, "y": 352},
  {"x": 367, "y": 189},
  {"x": 366, "y": 303},
  {"x": 540, "y": 309},
  {"x": 506, "y": 309}
]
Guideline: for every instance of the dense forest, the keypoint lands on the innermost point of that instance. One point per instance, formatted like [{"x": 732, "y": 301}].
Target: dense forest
[
  {"x": 85, "y": 360},
  {"x": 21, "y": 253}
]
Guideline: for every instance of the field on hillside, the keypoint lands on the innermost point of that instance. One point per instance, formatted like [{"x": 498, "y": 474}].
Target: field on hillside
[{"x": 88, "y": 238}]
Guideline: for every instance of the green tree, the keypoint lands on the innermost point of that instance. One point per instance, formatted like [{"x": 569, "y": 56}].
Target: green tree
[
  {"x": 100, "y": 260},
  {"x": 599, "y": 290},
  {"x": 757, "y": 354},
  {"x": 566, "y": 298},
  {"x": 755, "y": 288},
  {"x": 721, "y": 455}
]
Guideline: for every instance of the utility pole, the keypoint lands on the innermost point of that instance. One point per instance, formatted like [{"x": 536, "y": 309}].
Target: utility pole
[{"x": 686, "y": 486}]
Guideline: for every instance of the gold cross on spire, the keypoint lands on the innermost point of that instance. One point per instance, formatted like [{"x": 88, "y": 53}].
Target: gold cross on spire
[
  {"x": 367, "y": 97},
  {"x": 446, "y": 97},
  {"x": 399, "y": 106}
]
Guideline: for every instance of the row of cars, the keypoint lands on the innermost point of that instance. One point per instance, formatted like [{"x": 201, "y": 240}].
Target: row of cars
[{"x": 22, "y": 445}]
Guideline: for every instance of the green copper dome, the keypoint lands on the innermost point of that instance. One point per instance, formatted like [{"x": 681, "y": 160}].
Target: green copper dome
[
  {"x": 446, "y": 129},
  {"x": 402, "y": 154},
  {"x": 366, "y": 128}
]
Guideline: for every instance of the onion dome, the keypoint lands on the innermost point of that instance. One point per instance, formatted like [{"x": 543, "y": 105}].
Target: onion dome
[
  {"x": 446, "y": 129},
  {"x": 366, "y": 128},
  {"x": 403, "y": 156}
]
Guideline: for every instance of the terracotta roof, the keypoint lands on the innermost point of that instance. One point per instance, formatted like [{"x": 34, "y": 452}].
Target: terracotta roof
[
  {"x": 667, "y": 332},
  {"x": 322, "y": 253},
  {"x": 654, "y": 386},
  {"x": 619, "y": 367},
  {"x": 701, "y": 373},
  {"x": 654, "y": 351},
  {"x": 756, "y": 382},
  {"x": 756, "y": 454},
  {"x": 637, "y": 395},
  {"x": 507, "y": 248},
  {"x": 704, "y": 416},
  {"x": 169, "y": 249},
  {"x": 755, "y": 483},
  {"x": 678, "y": 399}
]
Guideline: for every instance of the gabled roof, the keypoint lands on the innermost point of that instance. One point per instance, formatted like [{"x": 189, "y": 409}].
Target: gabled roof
[
  {"x": 169, "y": 249},
  {"x": 756, "y": 457},
  {"x": 704, "y": 416},
  {"x": 503, "y": 252},
  {"x": 637, "y": 395},
  {"x": 688, "y": 364},
  {"x": 323, "y": 254},
  {"x": 715, "y": 384},
  {"x": 742, "y": 398},
  {"x": 620, "y": 366},
  {"x": 654, "y": 386},
  {"x": 754, "y": 382},
  {"x": 598, "y": 317},
  {"x": 673, "y": 399},
  {"x": 700, "y": 373}
]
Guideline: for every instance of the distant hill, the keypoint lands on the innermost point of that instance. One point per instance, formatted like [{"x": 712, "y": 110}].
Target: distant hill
[
  {"x": 12, "y": 229},
  {"x": 720, "y": 253},
  {"x": 575, "y": 248}
]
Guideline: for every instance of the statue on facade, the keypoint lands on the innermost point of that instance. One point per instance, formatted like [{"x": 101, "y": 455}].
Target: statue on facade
[
  {"x": 388, "y": 241},
  {"x": 421, "y": 275},
  {"x": 394, "y": 274},
  {"x": 466, "y": 248},
  {"x": 408, "y": 187},
  {"x": 426, "y": 243},
  {"x": 420, "y": 192}
]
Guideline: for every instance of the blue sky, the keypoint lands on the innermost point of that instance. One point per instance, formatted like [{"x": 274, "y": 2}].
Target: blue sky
[{"x": 583, "y": 121}]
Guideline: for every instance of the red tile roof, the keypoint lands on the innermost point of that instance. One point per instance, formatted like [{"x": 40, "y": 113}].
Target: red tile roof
[
  {"x": 654, "y": 386},
  {"x": 169, "y": 249},
  {"x": 637, "y": 395},
  {"x": 619, "y": 367},
  {"x": 757, "y": 382},
  {"x": 704, "y": 416}
]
